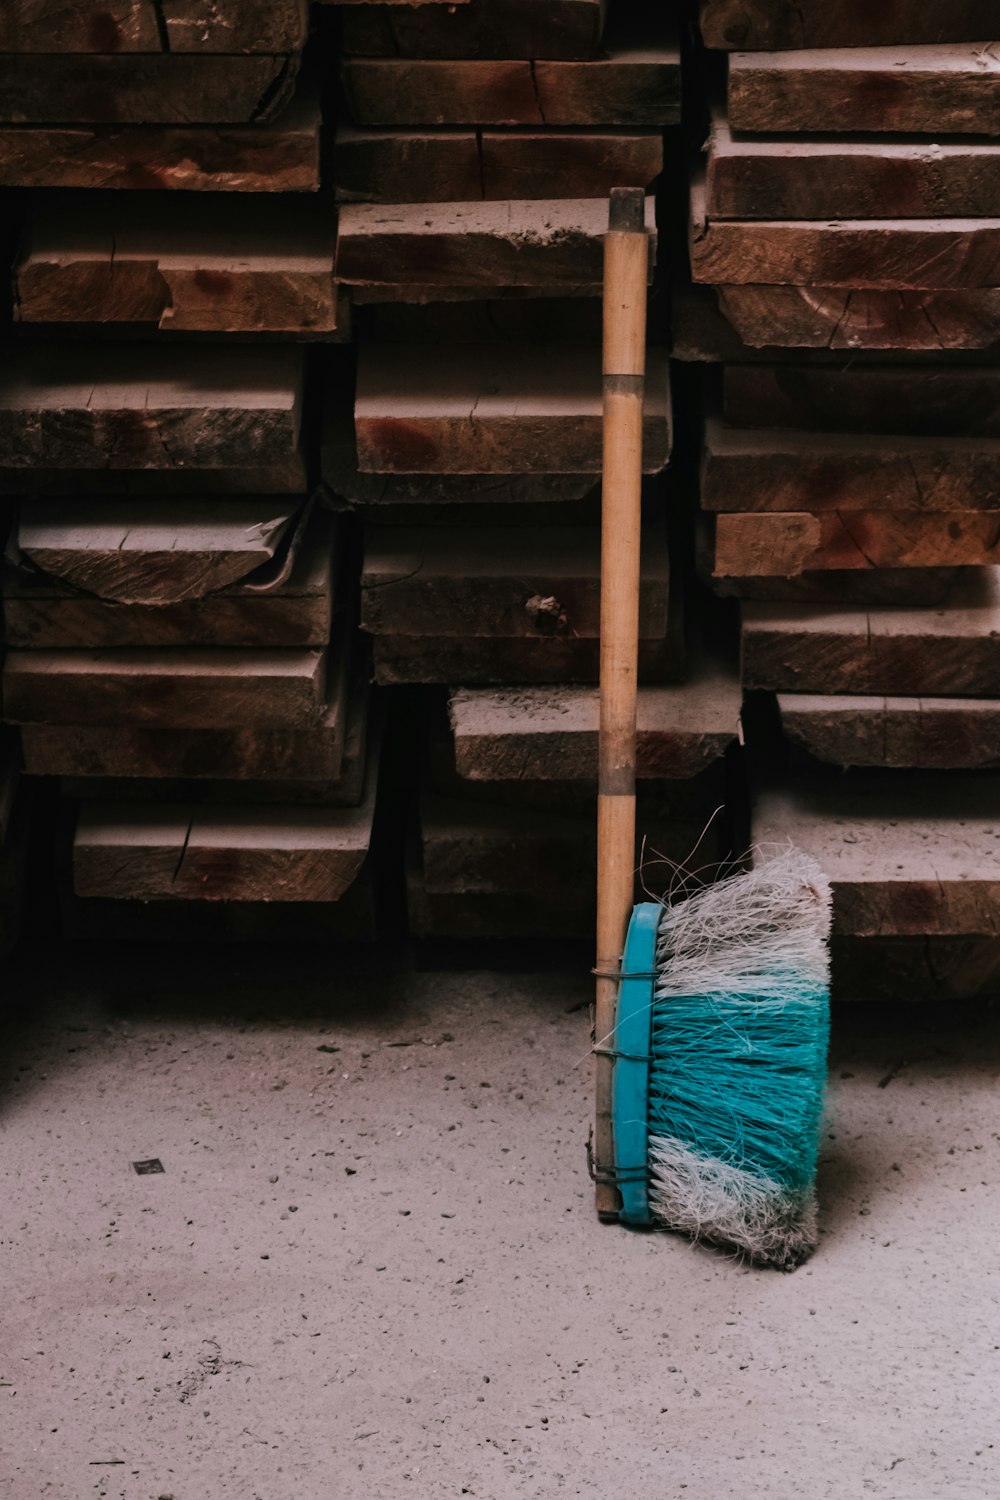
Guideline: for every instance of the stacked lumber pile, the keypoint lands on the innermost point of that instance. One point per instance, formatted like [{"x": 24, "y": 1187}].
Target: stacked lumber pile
[
  {"x": 473, "y": 179},
  {"x": 179, "y": 602},
  {"x": 848, "y": 222}
]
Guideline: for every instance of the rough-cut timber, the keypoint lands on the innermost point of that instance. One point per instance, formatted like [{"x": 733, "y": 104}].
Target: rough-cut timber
[
  {"x": 153, "y": 25},
  {"x": 907, "y": 856},
  {"x": 856, "y": 397},
  {"x": 848, "y": 179},
  {"x": 628, "y": 86},
  {"x": 926, "y": 733},
  {"x": 488, "y": 660},
  {"x": 847, "y": 318},
  {"x": 210, "y": 689},
  {"x": 753, "y": 469},
  {"x": 442, "y": 166},
  {"x": 763, "y": 24},
  {"x": 953, "y": 650},
  {"x": 214, "y": 266},
  {"x": 537, "y": 583},
  {"x": 478, "y": 28},
  {"x": 493, "y": 409},
  {"x": 162, "y": 554},
  {"x": 884, "y": 254},
  {"x": 288, "y": 602},
  {"x": 144, "y": 89},
  {"x": 128, "y": 852},
  {"x": 555, "y": 244},
  {"x": 942, "y": 90},
  {"x": 550, "y": 734},
  {"x": 140, "y": 410},
  {"x": 281, "y": 157},
  {"x": 785, "y": 545}
]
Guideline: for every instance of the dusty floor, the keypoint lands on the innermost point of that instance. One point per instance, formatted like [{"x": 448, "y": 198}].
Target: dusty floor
[{"x": 370, "y": 1268}]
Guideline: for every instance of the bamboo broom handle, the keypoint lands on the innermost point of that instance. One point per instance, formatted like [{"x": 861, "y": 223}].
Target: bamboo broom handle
[{"x": 626, "y": 260}]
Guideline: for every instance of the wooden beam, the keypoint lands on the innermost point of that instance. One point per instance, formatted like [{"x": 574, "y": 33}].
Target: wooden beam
[
  {"x": 763, "y": 546},
  {"x": 176, "y": 26},
  {"x": 278, "y": 157},
  {"x": 883, "y": 254},
  {"x": 289, "y": 602},
  {"x": 163, "y": 553},
  {"x": 214, "y": 266},
  {"x": 942, "y": 90},
  {"x": 534, "y": 584},
  {"x": 764, "y": 178},
  {"x": 629, "y": 86},
  {"x": 140, "y": 412},
  {"x": 441, "y": 166},
  {"x": 498, "y": 408},
  {"x": 550, "y": 734},
  {"x": 927, "y": 733},
  {"x": 480, "y": 246},
  {"x": 135, "y": 852},
  {"x": 501, "y": 660},
  {"x": 479, "y": 28},
  {"x": 910, "y": 857},
  {"x": 775, "y": 470},
  {"x": 175, "y": 689},
  {"x": 144, "y": 89},
  {"x": 858, "y": 319},
  {"x": 952, "y": 650},
  {"x": 765, "y": 24}
]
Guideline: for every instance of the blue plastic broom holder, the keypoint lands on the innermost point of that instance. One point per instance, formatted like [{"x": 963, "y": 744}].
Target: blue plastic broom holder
[{"x": 630, "y": 1078}]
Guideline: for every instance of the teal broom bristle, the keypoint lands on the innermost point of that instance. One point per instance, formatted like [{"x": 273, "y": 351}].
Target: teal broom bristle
[{"x": 740, "y": 1028}]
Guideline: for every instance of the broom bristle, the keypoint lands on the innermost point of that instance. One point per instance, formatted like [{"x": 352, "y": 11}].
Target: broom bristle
[{"x": 740, "y": 1029}]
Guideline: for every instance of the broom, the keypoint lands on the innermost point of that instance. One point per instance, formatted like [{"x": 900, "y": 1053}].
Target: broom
[{"x": 716, "y": 1008}]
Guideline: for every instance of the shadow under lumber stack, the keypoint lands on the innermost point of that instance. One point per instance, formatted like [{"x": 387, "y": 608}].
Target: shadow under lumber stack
[
  {"x": 848, "y": 219},
  {"x": 179, "y": 603}
]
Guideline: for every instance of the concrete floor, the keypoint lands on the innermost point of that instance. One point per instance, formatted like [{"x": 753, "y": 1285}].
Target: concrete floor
[{"x": 370, "y": 1266}]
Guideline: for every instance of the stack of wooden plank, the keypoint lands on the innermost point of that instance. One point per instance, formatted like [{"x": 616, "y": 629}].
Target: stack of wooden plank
[
  {"x": 179, "y": 602},
  {"x": 848, "y": 222},
  {"x": 472, "y": 176}
]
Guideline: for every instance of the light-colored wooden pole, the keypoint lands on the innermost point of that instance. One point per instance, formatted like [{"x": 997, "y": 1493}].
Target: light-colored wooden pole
[{"x": 626, "y": 261}]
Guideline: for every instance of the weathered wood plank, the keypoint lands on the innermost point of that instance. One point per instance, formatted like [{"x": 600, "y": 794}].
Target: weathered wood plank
[
  {"x": 952, "y": 650},
  {"x": 535, "y": 583},
  {"x": 848, "y": 179},
  {"x": 761, "y": 470},
  {"x": 176, "y": 689},
  {"x": 175, "y": 26},
  {"x": 216, "y": 267},
  {"x": 927, "y": 733},
  {"x": 923, "y": 970},
  {"x": 776, "y": 544},
  {"x": 502, "y": 660},
  {"x": 132, "y": 760},
  {"x": 144, "y": 89},
  {"x": 527, "y": 243},
  {"x": 494, "y": 409},
  {"x": 882, "y": 254},
  {"x": 441, "y": 166},
  {"x": 165, "y": 553},
  {"x": 134, "y": 852},
  {"x": 278, "y": 157},
  {"x": 949, "y": 89},
  {"x": 766, "y": 24},
  {"x": 287, "y": 603},
  {"x": 628, "y": 86},
  {"x": 182, "y": 412},
  {"x": 550, "y": 734},
  {"x": 846, "y": 318},
  {"x": 478, "y": 28},
  {"x": 865, "y": 398},
  {"x": 906, "y": 856}
]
